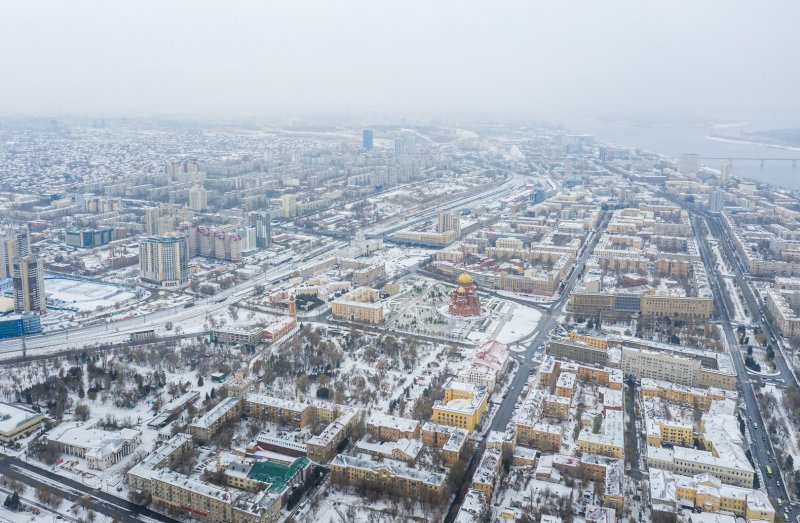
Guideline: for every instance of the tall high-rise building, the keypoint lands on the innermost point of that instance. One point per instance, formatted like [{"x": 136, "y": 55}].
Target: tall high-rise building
[
  {"x": 198, "y": 198},
  {"x": 725, "y": 172},
  {"x": 289, "y": 205},
  {"x": 152, "y": 216},
  {"x": 716, "y": 200},
  {"x": 263, "y": 225},
  {"x": 14, "y": 242},
  {"x": 28, "y": 284},
  {"x": 164, "y": 260},
  {"x": 367, "y": 139},
  {"x": 172, "y": 169},
  {"x": 688, "y": 163},
  {"x": 448, "y": 221},
  {"x": 191, "y": 166},
  {"x": 405, "y": 145}
]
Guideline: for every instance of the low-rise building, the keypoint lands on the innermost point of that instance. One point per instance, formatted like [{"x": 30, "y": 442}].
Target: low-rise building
[
  {"x": 487, "y": 364},
  {"x": 360, "y": 305},
  {"x": 451, "y": 440},
  {"x": 488, "y": 471},
  {"x": 556, "y": 407},
  {"x": 17, "y": 421},
  {"x": 387, "y": 475},
  {"x": 278, "y": 410},
  {"x": 707, "y": 493},
  {"x": 237, "y": 336},
  {"x": 463, "y": 406},
  {"x": 323, "y": 446},
  {"x": 610, "y": 441},
  {"x": 393, "y": 428},
  {"x": 205, "y": 427},
  {"x": 101, "y": 449}
]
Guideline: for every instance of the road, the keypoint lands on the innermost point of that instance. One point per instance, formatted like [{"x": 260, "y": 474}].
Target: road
[
  {"x": 760, "y": 445},
  {"x": 753, "y": 304},
  {"x": 102, "y": 502},
  {"x": 529, "y": 361}
]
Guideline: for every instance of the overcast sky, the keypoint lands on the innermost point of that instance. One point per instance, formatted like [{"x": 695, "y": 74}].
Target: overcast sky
[{"x": 555, "y": 59}]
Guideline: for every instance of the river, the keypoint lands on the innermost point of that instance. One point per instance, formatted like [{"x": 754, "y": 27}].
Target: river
[{"x": 675, "y": 139}]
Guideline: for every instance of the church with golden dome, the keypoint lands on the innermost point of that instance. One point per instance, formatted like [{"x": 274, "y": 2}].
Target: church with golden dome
[{"x": 464, "y": 300}]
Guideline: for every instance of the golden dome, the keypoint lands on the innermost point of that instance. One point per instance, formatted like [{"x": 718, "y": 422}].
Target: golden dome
[
  {"x": 465, "y": 279},
  {"x": 461, "y": 290}
]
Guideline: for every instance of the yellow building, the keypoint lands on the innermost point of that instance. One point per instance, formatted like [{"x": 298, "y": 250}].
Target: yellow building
[
  {"x": 610, "y": 441},
  {"x": 565, "y": 385},
  {"x": 552, "y": 368},
  {"x": 210, "y": 423},
  {"x": 707, "y": 493},
  {"x": 682, "y": 394},
  {"x": 16, "y": 422},
  {"x": 661, "y": 431},
  {"x": 541, "y": 436},
  {"x": 279, "y": 410},
  {"x": 597, "y": 343},
  {"x": 463, "y": 406},
  {"x": 360, "y": 305},
  {"x": 556, "y": 407},
  {"x": 408, "y": 481},
  {"x": 488, "y": 471},
  {"x": 610, "y": 472}
]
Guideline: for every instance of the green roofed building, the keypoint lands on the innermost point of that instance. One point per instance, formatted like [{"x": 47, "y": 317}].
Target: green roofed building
[{"x": 277, "y": 474}]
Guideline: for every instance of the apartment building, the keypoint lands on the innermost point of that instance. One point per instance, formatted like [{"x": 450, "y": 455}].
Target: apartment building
[
  {"x": 611, "y": 472},
  {"x": 278, "y": 410},
  {"x": 488, "y": 471},
  {"x": 392, "y": 428},
  {"x": 404, "y": 479},
  {"x": 610, "y": 441},
  {"x": 448, "y": 438},
  {"x": 556, "y": 407},
  {"x": 684, "y": 394},
  {"x": 538, "y": 435},
  {"x": 551, "y": 369},
  {"x": 207, "y": 425},
  {"x": 708, "y": 494},
  {"x": 164, "y": 260},
  {"x": 324, "y": 446}
]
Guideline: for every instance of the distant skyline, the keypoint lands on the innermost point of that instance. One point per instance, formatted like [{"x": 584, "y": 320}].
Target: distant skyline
[{"x": 561, "y": 61}]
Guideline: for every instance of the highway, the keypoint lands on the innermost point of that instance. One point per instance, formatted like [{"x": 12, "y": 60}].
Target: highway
[{"x": 760, "y": 445}]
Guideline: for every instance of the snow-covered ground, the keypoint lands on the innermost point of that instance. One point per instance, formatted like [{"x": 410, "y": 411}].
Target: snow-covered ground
[
  {"x": 85, "y": 296},
  {"x": 523, "y": 321}
]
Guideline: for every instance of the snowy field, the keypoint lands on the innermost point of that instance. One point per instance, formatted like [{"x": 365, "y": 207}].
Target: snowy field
[
  {"x": 85, "y": 296},
  {"x": 399, "y": 259},
  {"x": 522, "y": 323}
]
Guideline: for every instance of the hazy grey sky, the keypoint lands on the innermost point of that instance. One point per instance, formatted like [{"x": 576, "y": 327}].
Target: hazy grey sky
[{"x": 719, "y": 59}]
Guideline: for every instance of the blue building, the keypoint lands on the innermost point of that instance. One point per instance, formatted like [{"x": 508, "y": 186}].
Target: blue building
[
  {"x": 88, "y": 238},
  {"x": 367, "y": 139},
  {"x": 539, "y": 195},
  {"x": 19, "y": 325}
]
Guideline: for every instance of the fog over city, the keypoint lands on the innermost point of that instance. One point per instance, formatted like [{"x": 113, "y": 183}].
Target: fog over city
[
  {"x": 388, "y": 262},
  {"x": 565, "y": 61}
]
